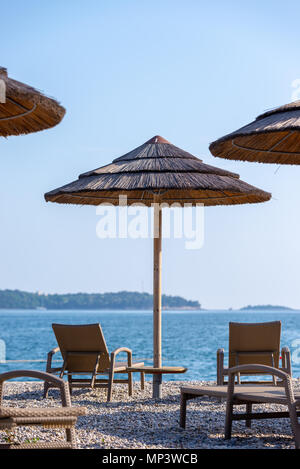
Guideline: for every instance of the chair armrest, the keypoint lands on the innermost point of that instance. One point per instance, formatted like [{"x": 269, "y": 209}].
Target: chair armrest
[
  {"x": 285, "y": 377},
  {"x": 58, "y": 382},
  {"x": 286, "y": 360},
  {"x": 122, "y": 349},
  {"x": 259, "y": 369},
  {"x": 49, "y": 360},
  {"x": 31, "y": 374}
]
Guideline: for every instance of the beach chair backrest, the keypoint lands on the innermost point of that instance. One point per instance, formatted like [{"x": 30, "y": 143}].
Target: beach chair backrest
[
  {"x": 260, "y": 340},
  {"x": 82, "y": 338}
]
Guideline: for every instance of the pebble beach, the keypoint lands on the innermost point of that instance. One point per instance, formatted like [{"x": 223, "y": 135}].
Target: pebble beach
[{"x": 143, "y": 423}]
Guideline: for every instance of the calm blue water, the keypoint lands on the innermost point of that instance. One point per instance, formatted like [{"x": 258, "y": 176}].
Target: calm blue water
[{"x": 189, "y": 338}]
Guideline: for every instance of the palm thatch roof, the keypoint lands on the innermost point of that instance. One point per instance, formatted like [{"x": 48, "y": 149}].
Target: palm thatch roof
[
  {"x": 157, "y": 169},
  {"x": 25, "y": 109},
  {"x": 274, "y": 137}
]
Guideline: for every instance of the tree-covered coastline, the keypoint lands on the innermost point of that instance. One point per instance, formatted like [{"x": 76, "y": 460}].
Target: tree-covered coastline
[
  {"x": 124, "y": 300},
  {"x": 265, "y": 308}
]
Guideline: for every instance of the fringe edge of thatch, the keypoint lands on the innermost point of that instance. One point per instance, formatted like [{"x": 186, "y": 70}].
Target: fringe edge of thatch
[
  {"x": 293, "y": 106},
  {"x": 17, "y": 90},
  {"x": 237, "y": 133}
]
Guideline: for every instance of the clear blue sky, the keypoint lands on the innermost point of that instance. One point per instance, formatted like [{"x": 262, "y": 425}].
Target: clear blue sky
[{"x": 126, "y": 70}]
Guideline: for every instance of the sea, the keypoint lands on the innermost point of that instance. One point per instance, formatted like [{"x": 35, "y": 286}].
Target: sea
[{"x": 189, "y": 338}]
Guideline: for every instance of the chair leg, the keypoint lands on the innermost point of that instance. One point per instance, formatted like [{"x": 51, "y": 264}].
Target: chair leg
[
  {"x": 220, "y": 380},
  {"x": 94, "y": 375},
  {"x": 294, "y": 424},
  {"x": 130, "y": 384},
  {"x": 220, "y": 367},
  {"x": 70, "y": 384},
  {"x": 183, "y": 399},
  {"x": 110, "y": 382},
  {"x": 228, "y": 420},
  {"x": 46, "y": 389},
  {"x": 71, "y": 437},
  {"x": 142, "y": 381},
  {"x": 248, "y": 411}
]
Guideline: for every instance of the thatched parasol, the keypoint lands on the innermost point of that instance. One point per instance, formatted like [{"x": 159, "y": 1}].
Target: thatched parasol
[
  {"x": 25, "y": 110},
  {"x": 158, "y": 172},
  {"x": 274, "y": 137}
]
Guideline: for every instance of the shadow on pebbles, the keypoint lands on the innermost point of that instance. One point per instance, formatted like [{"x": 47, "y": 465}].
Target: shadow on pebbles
[{"x": 144, "y": 423}]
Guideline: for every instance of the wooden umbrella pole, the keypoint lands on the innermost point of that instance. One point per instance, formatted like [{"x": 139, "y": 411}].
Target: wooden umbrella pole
[{"x": 157, "y": 265}]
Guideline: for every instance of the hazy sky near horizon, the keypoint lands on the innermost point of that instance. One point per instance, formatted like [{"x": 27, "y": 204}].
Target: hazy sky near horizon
[{"x": 126, "y": 70}]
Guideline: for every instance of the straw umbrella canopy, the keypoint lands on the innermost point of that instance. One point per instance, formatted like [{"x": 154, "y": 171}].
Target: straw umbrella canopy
[
  {"x": 156, "y": 173},
  {"x": 24, "y": 110},
  {"x": 273, "y": 137}
]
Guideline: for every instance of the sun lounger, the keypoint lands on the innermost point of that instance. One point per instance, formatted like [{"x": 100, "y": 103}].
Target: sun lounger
[
  {"x": 84, "y": 352},
  {"x": 52, "y": 417},
  {"x": 250, "y": 395},
  {"x": 253, "y": 343}
]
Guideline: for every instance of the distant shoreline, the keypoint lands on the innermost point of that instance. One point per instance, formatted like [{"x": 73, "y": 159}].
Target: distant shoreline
[
  {"x": 266, "y": 308},
  {"x": 123, "y": 300},
  {"x": 39, "y": 310},
  {"x": 110, "y": 301},
  {"x": 174, "y": 309}
]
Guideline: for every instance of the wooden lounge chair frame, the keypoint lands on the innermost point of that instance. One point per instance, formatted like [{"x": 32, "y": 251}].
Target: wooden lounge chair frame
[
  {"x": 242, "y": 397},
  {"x": 98, "y": 362},
  {"x": 253, "y": 343},
  {"x": 61, "y": 417},
  {"x": 244, "y": 394}
]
